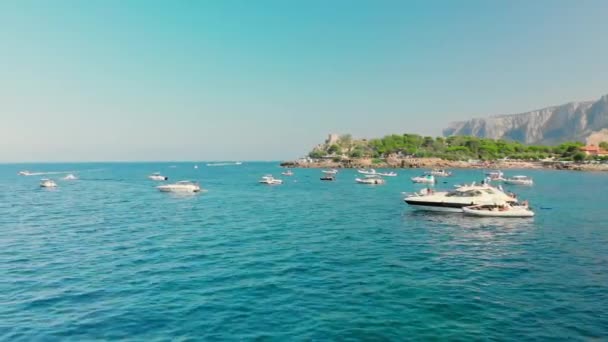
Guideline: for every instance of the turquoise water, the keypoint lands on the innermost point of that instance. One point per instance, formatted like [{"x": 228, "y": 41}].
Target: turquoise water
[{"x": 109, "y": 257}]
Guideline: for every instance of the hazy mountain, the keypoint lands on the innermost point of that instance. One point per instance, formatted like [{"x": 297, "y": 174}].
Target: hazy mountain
[{"x": 551, "y": 125}]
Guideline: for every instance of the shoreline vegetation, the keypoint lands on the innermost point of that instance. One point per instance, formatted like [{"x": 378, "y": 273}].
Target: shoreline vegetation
[{"x": 459, "y": 152}]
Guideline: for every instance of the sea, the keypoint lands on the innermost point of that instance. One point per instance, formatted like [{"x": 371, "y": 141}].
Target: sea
[{"x": 109, "y": 257}]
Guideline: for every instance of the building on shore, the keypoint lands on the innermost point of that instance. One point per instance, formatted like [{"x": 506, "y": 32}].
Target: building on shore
[{"x": 594, "y": 151}]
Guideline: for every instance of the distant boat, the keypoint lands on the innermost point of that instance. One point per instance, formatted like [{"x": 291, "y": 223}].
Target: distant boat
[
  {"x": 519, "y": 180},
  {"x": 156, "y": 176},
  {"x": 371, "y": 180},
  {"x": 367, "y": 172},
  {"x": 196, "y": 166},
  {"x": 24, "y": 173},
  {"x": 181, "y": 186},
  {"x": 387, "y": 174},
  {"x": 287, "y": 173},
  {"x": 330, "y": 172},
  {"x": 225, "y": 164},
  {"x": 269, "y": 180},
  {"x": 425, "y": 179},
  {"x": 70, "y": 177},
  {"x": 438, "y": 173},
  {"x": 47, "y": 183}
]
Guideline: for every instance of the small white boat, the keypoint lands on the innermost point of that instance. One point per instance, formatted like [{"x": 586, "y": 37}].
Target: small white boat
[
  {"x": 519, "y": 180},
  {"x": 503, "y": 210},
  {"x": 24, "y": 173},
  {"x": 424, "y": 179},
  {"x": 371, "y": 180},
  {"x": 158, "y": 177},
  {"x": 70, "y": 177},
  {"x": 367, "y": 172},
  {"x": 270, "y": 180},
  {"x": 387, "y": 174},
  {"x": 181, "y": 186},
  {"x": 330, "y": 172},
  {"x": 224, "y": 164},
  {"x": 288, "y": 173},
  {"x": 438, "y": 173},
  {"x": 196, "y": 166},
  {"x": 495, "y": 175},
  {"x": 47, "y": 183}
]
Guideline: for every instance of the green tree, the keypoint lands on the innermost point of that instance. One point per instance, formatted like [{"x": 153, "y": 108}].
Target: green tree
[
  {"x": 579, "y": 157},
  {"x": 333, "y": 149},
  {"x": 604, "y": 145}
]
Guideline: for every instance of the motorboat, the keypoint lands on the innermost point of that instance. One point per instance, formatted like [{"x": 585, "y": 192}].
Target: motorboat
[
  {"x": 519, "y": 180},
  {"x": 387, "y": 174},
  {"x": 371, "y": 180},
  {"x": 287, "y": 173},
  {"x": 367, "y": 172},
  {"x": 330, "y": 172},
  {"x": 438, "y": 173},
  {"x": 270, "y": 180},
  {"x": 328, "y": 178},
  {"x": 181, "y": 186},
  {"x": 455, "y": 200},
  {"x": 24, "y": 173},
  {"x": 225, "y": 164},
  {"x": 70, "y": 177},
  {"x": 495, "y": 175},
  {"x": 425, "y": 179},
  {"x": 47, "y": 183},
  {"x": 158, "y": 177},
  {"x": 498, "y": 210}
]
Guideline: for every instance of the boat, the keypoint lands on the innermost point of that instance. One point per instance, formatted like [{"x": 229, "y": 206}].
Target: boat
[
  {"x": 288, "y": 173},
  {"x": 47, "y": 183},
  {"x": 270, "y": 180},
  {"x": 328, "y": 178},
  {"x": 498, "y": 210},
  {"x": 181, "y": 186},
  {"x": 24, "y": 173},
  {"x": 519, "y": 180},
  {"x": 70, "y": 177},
  {"x": 224, "y": 164},
  {"x": 330, "y": 172},
  {"x": 158, "y": 177},
  {"x": 371, "y": 180},
  {"x": 387, "y": 174},
  {"x": 367, "y": 172},
  {"x": 455, "y": 200},
  {"x": 495, "y": 175},
  {"x": 196, "y": 166},
  {"x": 425, "y": 179},
  {"x": 438, "y": 173}
]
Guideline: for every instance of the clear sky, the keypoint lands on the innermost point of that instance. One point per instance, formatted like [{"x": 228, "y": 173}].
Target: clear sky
[{"x": 266, "y": 80}]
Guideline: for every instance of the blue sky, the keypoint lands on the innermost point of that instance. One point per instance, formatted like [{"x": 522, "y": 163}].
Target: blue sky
[{"x": 266, "y": 80}]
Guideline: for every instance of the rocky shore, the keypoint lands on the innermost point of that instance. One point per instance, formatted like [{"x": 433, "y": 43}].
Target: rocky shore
[{"x": 437, "y": 163}]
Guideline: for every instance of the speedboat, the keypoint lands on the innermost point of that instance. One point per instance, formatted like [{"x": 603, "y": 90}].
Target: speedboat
[
  {"x": 328, "y": 178},
  {"x": 519, "y": 180},
  {"x": 455, "y": 200},
  {"x": 495, "y": 175},
  {"x": 287, "y": 173},
  {"x": 501, "y": 210},
  {"x": 426, "y": 179},
  {"x": 438, "y": 173},
  {"x": 158, "y": 177},
  {"x": 387, "y": 174},
  {"x": 371, "y": 180},
  {"x": 47, "y": 183},
  {"x": 367, "y": 172},
  {"x": 24, "y": 173},
  {"x": 330, "y": 172},
  {"x": 269, "y": 180},
  {"x": 70, "y": 177},
  {"x": 181, "y": 186}
]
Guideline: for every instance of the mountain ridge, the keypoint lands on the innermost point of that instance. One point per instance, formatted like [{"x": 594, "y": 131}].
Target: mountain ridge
[{"x": 550, "y": 125}]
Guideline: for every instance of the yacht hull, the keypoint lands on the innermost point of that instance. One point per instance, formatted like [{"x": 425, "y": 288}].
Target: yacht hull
[{"x": 436, "y": 206}]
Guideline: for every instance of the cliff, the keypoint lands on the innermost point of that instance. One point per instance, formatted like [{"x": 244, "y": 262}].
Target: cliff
[{"x": 575, "y": 121}]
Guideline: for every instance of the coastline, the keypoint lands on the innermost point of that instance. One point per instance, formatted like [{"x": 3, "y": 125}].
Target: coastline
[{"x": 437, "y": 163}]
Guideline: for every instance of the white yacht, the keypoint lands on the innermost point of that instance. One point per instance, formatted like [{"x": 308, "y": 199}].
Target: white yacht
[
  {"x": 501, "y": 210},
  {"x": 425, "y": 179},
  {"x": 519, "y": 180},
  {"x": 156, "y": 176},
  {"x": 270, "y": 180},
  {"x": 455, "y": 200},
  {"x": 70, "y": 177},
  {"x": 47, "y": 183},
  {"x": 367, "y": 172},
  {"x": 288, "y": 173},
  {"x": 387, "y": 174},
  {"x": 371, "y": 180},
  {"x": 438, "y": 173},
  {"x": 181, "y": 186}
]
